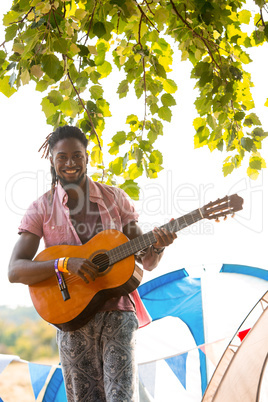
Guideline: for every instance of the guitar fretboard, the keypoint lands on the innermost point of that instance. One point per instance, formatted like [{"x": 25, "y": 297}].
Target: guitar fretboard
[{"x": 142, "y": 242}]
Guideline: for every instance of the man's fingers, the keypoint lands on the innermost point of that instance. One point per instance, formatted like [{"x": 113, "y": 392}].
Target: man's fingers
[
  {"x": 164, "y": 237},
  {"x": 90, "y": 269}
]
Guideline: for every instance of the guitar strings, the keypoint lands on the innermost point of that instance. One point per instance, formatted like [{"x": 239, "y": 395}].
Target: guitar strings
[{"x": 137, "y": 244}]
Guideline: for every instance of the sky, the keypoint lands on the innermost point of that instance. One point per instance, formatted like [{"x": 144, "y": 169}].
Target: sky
[{"x": 190, "y": 179}]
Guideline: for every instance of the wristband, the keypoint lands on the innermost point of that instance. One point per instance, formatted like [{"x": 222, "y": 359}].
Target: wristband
[
  {"x": 65, "y": 269},
  {"x": 57, "y": 271},
  {"x": 62, "y": 264},
  {"x": 158, "y": 250}
]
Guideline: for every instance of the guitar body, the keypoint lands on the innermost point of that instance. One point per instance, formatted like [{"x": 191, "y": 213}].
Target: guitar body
[{"x": 117, "y": 280}]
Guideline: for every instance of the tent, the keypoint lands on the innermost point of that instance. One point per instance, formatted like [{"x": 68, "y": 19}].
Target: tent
[{"x": 240, "y": 373}]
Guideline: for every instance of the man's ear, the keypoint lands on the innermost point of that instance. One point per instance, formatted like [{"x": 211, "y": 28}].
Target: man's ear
[{"x": 51, "y": 161}]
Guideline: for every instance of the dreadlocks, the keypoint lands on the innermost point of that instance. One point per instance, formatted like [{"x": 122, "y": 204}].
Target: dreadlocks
[{"x": 60, "y": 133}]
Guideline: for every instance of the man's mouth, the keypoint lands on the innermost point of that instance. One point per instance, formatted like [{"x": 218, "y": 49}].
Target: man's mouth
[{"x": 70, "y": 171}]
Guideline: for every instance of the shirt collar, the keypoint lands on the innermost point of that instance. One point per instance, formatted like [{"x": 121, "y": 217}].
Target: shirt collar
[{"x": 95, "y": 194}]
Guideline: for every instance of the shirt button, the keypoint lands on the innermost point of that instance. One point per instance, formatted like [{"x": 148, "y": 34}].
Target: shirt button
[{"x": 52, "y": 227}]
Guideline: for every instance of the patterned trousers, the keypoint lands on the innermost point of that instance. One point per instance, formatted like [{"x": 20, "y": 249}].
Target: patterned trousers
[{"x": 98, "y": 360}]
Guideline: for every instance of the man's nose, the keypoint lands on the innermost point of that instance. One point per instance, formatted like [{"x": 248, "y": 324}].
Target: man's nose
[{"x": 70, "y": 162}]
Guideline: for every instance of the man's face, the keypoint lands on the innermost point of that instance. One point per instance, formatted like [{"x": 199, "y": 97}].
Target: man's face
[{"x": 69, "y": 159}]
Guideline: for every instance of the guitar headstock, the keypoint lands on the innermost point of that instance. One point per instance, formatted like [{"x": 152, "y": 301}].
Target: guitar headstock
[{"x": 222, "y": 207}]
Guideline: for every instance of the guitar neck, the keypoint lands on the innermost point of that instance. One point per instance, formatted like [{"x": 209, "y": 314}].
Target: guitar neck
[{"x": 142, "y": 242}]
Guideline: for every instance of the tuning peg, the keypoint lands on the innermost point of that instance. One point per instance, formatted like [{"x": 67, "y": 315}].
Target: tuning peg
[
  {"x": 217, "y": 220},
  {"x": 233, "y": 215},
  {"x": 225, "y": 218}
]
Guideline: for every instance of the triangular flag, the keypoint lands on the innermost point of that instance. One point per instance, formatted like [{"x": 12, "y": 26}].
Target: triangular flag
[
  {"x": 242, "y": 334},
  {"x": 178, "y": 366},
  {"x": 214, "y": 350},
  {"x": 5, "y": 360},
  {"x": 38, "y": 373}
]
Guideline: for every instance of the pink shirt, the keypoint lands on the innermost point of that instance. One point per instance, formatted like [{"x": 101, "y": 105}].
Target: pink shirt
[{"x": 52, "y": 222}]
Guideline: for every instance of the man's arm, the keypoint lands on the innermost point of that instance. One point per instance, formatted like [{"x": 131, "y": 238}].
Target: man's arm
[
  {"x": 23, "y": 270},
  {"x": 150, "y": 258},
  {"x": 21, "y": 267}
]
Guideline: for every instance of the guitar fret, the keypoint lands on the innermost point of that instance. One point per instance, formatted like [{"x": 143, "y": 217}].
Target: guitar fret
[{"x": 141, "y": 242}]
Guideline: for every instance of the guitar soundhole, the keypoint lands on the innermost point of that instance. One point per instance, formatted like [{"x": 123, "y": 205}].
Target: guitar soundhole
[{"x": 102, "y": 260}]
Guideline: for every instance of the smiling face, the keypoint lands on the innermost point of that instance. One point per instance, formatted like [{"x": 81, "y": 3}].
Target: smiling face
[{"x": 69, "y": 159}]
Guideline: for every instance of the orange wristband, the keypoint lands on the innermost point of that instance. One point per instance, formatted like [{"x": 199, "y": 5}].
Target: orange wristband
[
  {"x": 62, "y": 264},
  {"x": 65, "y": 269}
]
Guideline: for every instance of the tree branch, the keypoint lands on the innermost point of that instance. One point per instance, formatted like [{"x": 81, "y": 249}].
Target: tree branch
[
  {"x": 90, "y": 22},
  {"x": 204, "y": 40},
  {"x": 85, "y": 109},
  {"x": 24, "y": 18},
  {"x": 145, "y": 16}
]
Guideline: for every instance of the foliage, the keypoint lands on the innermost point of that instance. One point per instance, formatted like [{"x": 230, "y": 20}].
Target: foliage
[
  {"x": 23, "y": 334},
  {"x": 69, "y": 48}
]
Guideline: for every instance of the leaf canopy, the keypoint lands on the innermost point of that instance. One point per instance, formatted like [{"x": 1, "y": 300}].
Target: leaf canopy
[{"x": 70, "y": 48}]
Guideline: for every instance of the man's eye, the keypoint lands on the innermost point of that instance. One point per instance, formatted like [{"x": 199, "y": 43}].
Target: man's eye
[{"x": 78, "y": 156}]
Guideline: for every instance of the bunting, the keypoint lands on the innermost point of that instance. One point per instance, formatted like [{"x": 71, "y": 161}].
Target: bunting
[{"x": 38, "y": 374}]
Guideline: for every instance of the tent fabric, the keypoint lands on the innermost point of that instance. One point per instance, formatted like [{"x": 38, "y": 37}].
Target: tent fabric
[
  {"x": 240, "y": 370},
  {"x": 245, "y": 270},
  {"x": 55, "y": 391},
  {"x": 178, "y": 295}
]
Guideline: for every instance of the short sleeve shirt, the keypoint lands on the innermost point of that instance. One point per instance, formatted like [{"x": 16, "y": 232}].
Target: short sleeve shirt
[{"x": 50, "y": 220}]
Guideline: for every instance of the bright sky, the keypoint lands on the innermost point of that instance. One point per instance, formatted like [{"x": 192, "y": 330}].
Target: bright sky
[{"x": 191, "y": 178}]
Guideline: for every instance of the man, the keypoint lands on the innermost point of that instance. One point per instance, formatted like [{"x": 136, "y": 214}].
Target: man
[{"x": 98, "y": 359}]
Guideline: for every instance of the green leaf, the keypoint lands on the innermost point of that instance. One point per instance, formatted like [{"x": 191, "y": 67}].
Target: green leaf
[
  {"x": 252, "y": 173},
  {"x": 119, "y": 138},
  {"x": 168, "y": 100},
  {"x": 135, "y": 171},
  {"x": 256, "y": 162},
  {"x": 70, "y": 107},
  {"x": 169, "y": 86},
  {"x": 11, "y": 17},
  {"x": 55, "y": 97},
  {"x": 227, "y": 168},
  {"x": 247, "y": 143},
  {"x": 156, "y": 157},
  {"x": 239, "y": 116},
  {"x": 96, "y": 156},
  {"x": 122, "y": 89},
  {"x": 116, "y": 166},
  {"x": 99, "y": 29},
  {"x": 252, "y": 119},
  {"x": 103, "y": 106},
  {"x": 5, "y": 88},
  {"x": 61, "y": 46},
  {"x": 50, "y": 65},
  {"x": 11, "y": 32},
  {"x": 104, "y": 69},
  {"x": 244, "y": 16},
  {"x": 96, "y": 91},
  {"x": 131, "y": 188},
  {"x": 48, "y": 108},
  {"x": 164, "y": 113}
]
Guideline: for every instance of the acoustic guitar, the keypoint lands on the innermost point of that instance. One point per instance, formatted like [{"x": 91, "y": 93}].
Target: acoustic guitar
[{"x": 69, "y": 305}]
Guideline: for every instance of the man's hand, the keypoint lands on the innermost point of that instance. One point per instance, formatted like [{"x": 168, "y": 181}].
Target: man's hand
[
  {"x": 163, "y": 237},
  {"x": 83, "y": 268}
]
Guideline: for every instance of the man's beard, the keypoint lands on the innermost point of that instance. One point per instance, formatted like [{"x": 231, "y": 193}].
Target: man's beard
[{"x": 68, "y": 184}]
